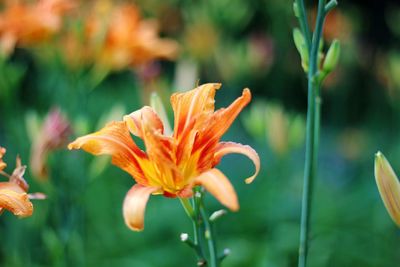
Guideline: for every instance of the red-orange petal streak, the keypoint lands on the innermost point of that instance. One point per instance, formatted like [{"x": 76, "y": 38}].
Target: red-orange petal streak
[
  {"x": 220, "y": 122},
  {"x": 135, "y": 205},
  {"x": 225, "y": 148},
  {"x": 192, "y": 104},
  {"x": 215, "y": 182}
]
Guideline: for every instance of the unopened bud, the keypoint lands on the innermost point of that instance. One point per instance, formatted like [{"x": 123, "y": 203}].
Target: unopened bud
[
  {"x": 300, "y": 44},
  {"x": 296, "y": 9},
  {"x": 224, "y": 254},
  {"x": 332, "y": 57},
  {"x": 227, "y": 251},
  {"x": 388, "y": 186},
  {"x": 184, "y": 237},
  {"x": 217, "y": 214}
]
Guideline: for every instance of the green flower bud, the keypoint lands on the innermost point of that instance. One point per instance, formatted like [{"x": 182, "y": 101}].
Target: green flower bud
[
  {"x": 296, "y": 9},
  {"x": 389, "y": 186},
  {"x": 332, "y": 57},
  {"x": 300, "y": 44}
]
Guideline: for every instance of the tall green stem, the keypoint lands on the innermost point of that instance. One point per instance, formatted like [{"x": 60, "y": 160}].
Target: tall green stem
[{"x": 313, "y": 126}]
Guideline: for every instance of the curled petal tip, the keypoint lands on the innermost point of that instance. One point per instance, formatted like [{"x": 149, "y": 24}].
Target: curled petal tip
[{"x": 135, "y": 205}]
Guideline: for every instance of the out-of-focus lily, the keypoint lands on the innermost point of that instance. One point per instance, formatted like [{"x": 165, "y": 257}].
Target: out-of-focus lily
[
  {"x": 52, "y": 135},
  {"x": 389, "y": 186},
  {"x": 13, "y": 193},
  {"x": 26, "y": 24},
  {"x": 283, "y": 131},
  {"x": 173, "y": 164},
  {"x": 122, "y": 39}
]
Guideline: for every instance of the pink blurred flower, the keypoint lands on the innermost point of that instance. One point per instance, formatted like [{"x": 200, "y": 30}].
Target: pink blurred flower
[{"x": 53, "y": 135}]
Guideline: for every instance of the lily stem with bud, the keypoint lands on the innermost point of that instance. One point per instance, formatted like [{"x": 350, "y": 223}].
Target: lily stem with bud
[
  {"x": 313, "y": 115},
  {"x": 203, "y": 232}
]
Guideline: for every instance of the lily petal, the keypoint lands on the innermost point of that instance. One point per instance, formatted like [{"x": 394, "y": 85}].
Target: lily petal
[
  {"x": 134, "y": 121},
  {"x": 225, "y": 148},
  {"x": 114, "y": 139},
  {"x": 389, "y": 186},
  {"x": 191, "y": 110},
  {"x": 135, "y": 205},
  {"x": 192, "y": 104},
  {"x": 215, "y": 182},
  {"x": 14, "y": 199},
  {"x": 220, "y": 122}
]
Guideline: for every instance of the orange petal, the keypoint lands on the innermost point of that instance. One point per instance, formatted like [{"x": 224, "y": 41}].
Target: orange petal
[
  {"x": 220, "y": 122},
  {"x": 191, "y": 110},
  {"x": 14, "y": 199},
  {"x": 114, "y": 139},
  {"x": 135, "y": 205},
  {"x": 192, "y": 104},
  {"x": 134, "y": 121},
  {"x": 220, "y": 187},
  {"x": 231, "y": 147}
]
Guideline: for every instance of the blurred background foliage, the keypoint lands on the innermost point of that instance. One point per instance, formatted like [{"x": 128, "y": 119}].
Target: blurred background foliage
[{"x": 94, "y": 61}]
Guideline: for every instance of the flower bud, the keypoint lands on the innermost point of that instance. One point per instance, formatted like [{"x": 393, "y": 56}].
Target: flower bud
[
  {"x": 217, "y": 214},
  {"x": 389, "y": 186},
  {"x": 184, "y": 237},
  {"x": 332, "y": 57},
  {"x": 296, "y": 10},
  {"x": 299, "y": 41}
]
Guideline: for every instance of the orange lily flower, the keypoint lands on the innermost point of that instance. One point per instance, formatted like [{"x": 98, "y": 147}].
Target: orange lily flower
[
  {"x": 173, "y": 163},
  {"x": 122, "y": 38},
  {"x": 25, "y": 24},
  {"x": 13, "y": 194}
]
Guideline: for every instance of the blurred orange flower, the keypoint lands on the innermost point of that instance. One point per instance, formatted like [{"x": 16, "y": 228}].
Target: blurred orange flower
[
  {"x": 25, "y": 24},
  {"x": 13, "y": 194},
  {"x": 122, "y": 39},
  {"x": 173, "y": 163}
]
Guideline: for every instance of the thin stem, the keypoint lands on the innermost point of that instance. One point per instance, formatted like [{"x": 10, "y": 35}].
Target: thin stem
[
  {"x": 197, "y": 226},
  {"x": 187, "y": 207},
  {"x": 312, "y": 137},
  {"x": 209, "y": 234},
  {"x": 203, "y": 232},
  {"x": 303, "y": 23}
]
